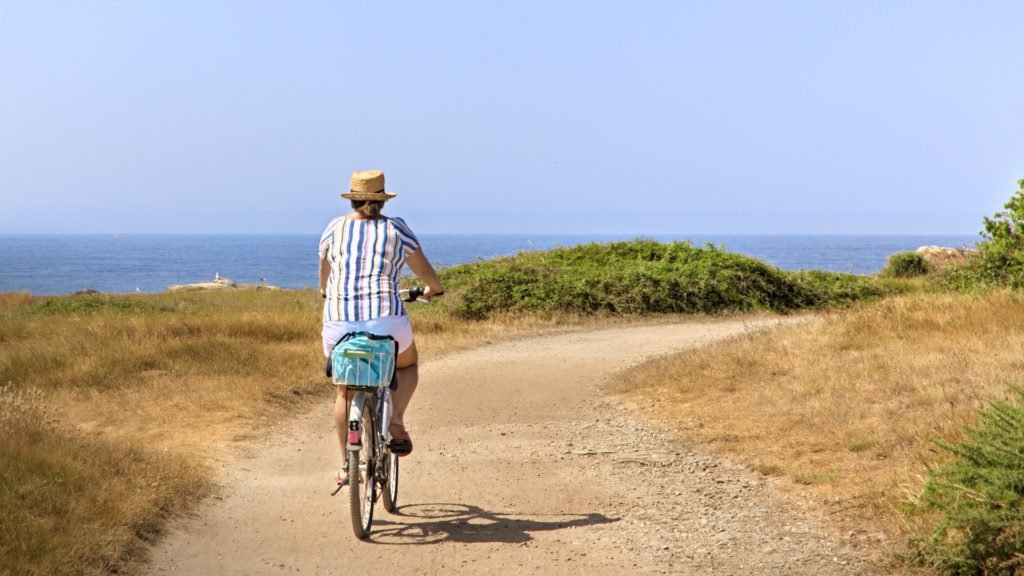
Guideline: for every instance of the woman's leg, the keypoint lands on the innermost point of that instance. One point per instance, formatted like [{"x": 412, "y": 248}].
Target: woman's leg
[
  {"x": 341, "y": 418},
  {"x": 408, "y": 378},
  {"x": 341, "y": 403}
]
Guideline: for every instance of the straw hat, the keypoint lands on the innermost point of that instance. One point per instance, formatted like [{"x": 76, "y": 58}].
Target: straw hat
[{"x": 368, "y": 185}]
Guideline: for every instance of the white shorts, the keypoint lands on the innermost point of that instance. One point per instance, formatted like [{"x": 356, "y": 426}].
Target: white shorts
[{"x": 397, "y": 327}]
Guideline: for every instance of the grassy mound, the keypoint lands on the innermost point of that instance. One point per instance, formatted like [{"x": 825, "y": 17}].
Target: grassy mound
[{"x": 644, "y": 277}]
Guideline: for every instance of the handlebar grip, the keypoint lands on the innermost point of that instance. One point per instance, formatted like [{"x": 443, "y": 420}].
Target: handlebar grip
[{"x": 414, "y": 294}]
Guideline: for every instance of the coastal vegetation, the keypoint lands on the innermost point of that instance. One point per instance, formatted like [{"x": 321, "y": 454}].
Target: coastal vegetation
[
  {"x": 980, "y": 497},
  {"x": 897, "y": 414},
  {"x": 999, "y": 261},
  {"x": 112, "y": 407},
  {"x": 646, "y": 277},
  {"x": 847, "y": 406},
  {"x": 73, "y": 502},
  {"x": 906, "y": 265}
]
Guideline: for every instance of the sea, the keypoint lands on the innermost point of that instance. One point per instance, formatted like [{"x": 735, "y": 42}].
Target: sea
[{"x": 44, "y": 264}]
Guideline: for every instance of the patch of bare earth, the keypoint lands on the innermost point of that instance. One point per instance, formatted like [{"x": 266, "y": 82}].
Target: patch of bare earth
[{"x": 520, "y": 467}]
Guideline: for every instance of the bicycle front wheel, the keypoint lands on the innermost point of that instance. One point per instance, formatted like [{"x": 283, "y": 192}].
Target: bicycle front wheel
[{"x": 362, "y": 486}]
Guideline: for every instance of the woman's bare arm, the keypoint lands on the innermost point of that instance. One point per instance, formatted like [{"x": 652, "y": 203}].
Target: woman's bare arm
[
  {"x": 420, "y": 266},
  {"x": 325, "y": 273}
]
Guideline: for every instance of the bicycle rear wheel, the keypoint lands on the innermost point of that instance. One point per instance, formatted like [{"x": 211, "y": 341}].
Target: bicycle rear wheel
[
  {"x": 391, "y": 489},
  {"x": 362, "y": 486}
]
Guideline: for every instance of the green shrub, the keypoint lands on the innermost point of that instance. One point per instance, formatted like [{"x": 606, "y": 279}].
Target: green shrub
[
  {"x": 962, "y": 277},
  {"x": 1002, "y": 251},
  {"x": 643, "y": 277},
  {"x": 1000, "y": 259},
  {"x": 980, "y": 496},
  {"x": 906, "y": 265},
  {"x": 822, "y": 288}
]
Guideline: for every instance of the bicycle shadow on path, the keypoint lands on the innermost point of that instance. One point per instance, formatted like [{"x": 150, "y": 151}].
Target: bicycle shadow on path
[{"x": 435, "y": 523}]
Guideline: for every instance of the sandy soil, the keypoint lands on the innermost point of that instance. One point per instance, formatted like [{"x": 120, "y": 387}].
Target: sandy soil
[{"x": 520, "y": 467}]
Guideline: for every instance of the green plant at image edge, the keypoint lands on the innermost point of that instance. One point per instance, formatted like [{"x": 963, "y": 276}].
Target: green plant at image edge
[{"x": 979, "y": 496}]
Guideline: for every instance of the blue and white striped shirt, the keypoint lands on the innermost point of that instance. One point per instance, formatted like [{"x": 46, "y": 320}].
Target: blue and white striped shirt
[{"x": 366, "y": 259}]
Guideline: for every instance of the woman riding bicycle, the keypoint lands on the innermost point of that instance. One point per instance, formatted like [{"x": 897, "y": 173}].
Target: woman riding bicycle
[{"x": 361, "y": 258}]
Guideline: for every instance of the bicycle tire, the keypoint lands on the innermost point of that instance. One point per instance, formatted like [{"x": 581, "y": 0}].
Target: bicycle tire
[
  {"x": 391, "y": 489},
  {"x": 362, "y": 485}
]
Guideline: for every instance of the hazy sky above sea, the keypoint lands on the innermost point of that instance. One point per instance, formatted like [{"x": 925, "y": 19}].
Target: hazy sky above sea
[{"x": 561, "y": 117}]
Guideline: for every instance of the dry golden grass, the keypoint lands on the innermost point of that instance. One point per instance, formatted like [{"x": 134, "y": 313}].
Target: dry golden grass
[
  {"x": 73, "y": 503},
  {"x": 845, "y": 407},
  {"x": 113, "y": 406},
  {"x": 143, "y": 391}
]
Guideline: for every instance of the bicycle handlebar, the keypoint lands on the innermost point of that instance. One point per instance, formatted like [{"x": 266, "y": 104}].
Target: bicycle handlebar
[{"x": 416, "y": 295}]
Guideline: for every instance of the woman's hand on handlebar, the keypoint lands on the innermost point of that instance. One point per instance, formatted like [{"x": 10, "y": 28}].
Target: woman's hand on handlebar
[{"x": 429, "y": 293}]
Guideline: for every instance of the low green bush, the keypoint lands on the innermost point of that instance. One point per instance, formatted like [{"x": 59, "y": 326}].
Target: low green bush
[
  {"x": 966, "y": 277},
  {"x": 979, "y": 495},
  {"x": 908, "y": 264},
  {"x": 1002, "y": 251},
  {"x": 1000, "y": 258},
  {"x": 643, "y": 277}
]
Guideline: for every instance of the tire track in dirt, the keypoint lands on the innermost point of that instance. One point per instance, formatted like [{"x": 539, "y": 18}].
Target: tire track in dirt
[{"x": 520, "y": 467}]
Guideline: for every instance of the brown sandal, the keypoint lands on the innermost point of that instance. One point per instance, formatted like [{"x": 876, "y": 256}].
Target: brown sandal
[{"x": 401, "y": 443}]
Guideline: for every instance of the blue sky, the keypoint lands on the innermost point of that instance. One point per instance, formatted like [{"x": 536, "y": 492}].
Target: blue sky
[{"x": 559, "y": 117}]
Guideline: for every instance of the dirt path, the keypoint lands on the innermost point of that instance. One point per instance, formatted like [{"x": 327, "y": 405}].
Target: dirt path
[{"x": 519, "y": 468}]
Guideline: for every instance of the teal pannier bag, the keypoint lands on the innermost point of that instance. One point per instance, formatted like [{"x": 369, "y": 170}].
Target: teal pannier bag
[{"x": 364, "y": 360}]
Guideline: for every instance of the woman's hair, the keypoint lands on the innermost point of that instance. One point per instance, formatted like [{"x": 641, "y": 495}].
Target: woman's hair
[{"x": 368, "y": 208}]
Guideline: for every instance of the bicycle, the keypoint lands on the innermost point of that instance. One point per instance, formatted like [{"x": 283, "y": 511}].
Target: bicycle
[{"x": 369, "y": 461}]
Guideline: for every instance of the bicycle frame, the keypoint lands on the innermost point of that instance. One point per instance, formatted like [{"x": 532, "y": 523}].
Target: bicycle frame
[
  {"x": 382, "y": 406},
  {"x": 382, "y": 403}
]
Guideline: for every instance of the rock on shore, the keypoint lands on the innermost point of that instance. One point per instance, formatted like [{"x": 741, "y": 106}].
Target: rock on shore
[
  {"x": 218, "y": 283},
  {"x": 941, "y": 257}
]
